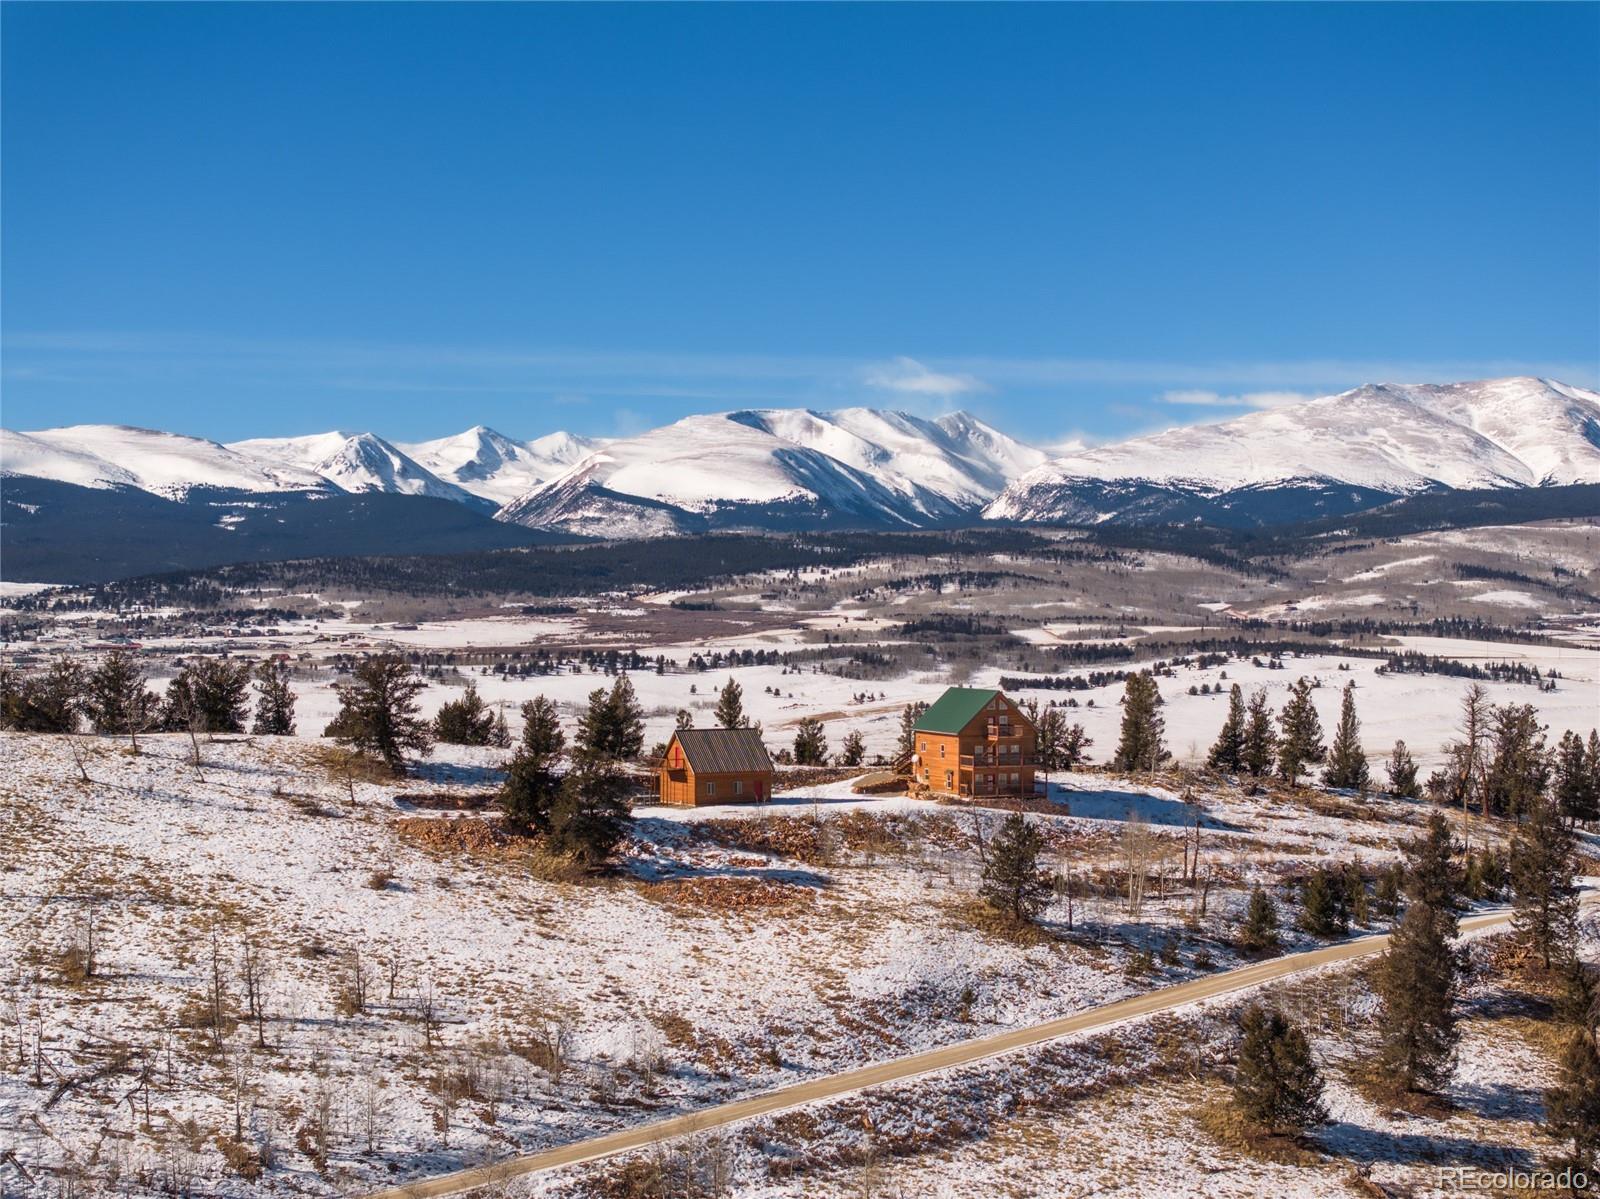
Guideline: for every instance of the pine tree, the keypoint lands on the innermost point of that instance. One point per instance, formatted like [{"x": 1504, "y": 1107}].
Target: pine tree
[
  {"x": 1260, "y": 742},
  {"x": 209, "y": 695},
  {"x": 1418, "y": 977},
  {"x": 810, "y": 742},
  {"x": 116, "y": 699},
  {"x": 1324, "y": 910},
  {"x": 1578, "y": 1001},
  {"x": 1402, "y": 771},
  {"x": 1432, "y": 874},
  {"x": 1576, "y": 791},
  {"x": 590, "y": 816},
  {"x": 49, "y": 702},
  {"x": 1012, "y": 881},
  {"x": 1518, "y": 771},
  {"x": 1300, "y": 741},
  {"x": 464, "y": 721},
  {"x": 1140, "y": 746},
  {"x": 378, "y": 712},
  {"x": 684, "y": 720},
  {"x": 611, "y": 728},
  {"x": 1347, "y": 765},
  {"x": 500, "y": 733},
  {"x": 852, "y": 750},
  {"x": 1227, "y": 754},
  {"x": 909, "y": 715},
  {"x": 1276, "y": 1084},
  {"x": 1260, "y": 931},
  {"x": 730, "y": 706},
  {"x": 1387, "y": 891},
  {"x": 274, "y": 700},
  {"x": 528, "y": 795},
  {"x": 1572, "y": 1106},
  {"x": 1544, "y": 897}
]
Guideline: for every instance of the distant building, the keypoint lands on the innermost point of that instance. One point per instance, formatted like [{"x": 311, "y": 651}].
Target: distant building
[
  {"x": 715, "y": 766},
  {"x": 974, "y": 741}
]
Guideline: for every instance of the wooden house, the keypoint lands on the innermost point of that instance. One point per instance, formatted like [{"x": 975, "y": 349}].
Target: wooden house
[
  {"x": 974, "y": 741},
  {"x": 715, "y": 766}
]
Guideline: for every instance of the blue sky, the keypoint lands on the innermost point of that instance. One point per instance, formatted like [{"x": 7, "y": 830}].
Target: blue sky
[{"x": 245, "y": 220}]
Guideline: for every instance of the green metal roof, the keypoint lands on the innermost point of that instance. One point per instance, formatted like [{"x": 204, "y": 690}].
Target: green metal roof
[{"x": 954, "y": 710}]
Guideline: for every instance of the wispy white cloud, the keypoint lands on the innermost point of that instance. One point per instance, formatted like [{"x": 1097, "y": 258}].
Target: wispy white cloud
[
  {"x": 1198, "y": 398},
  {"x": 910, "y": 377}
]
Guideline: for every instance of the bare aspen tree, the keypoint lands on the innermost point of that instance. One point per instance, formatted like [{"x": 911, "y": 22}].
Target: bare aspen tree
[
  {"x": 1136, "y": 851},
  {"x": 216, "y": 993},
  {"x": 79, "y": 757},
  {"x": 253, "y": 972}
]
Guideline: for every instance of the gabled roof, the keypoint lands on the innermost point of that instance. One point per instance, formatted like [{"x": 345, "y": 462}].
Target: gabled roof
[
  {"x": 724, "y": 751},
  {"x": 955, "y": 709}
]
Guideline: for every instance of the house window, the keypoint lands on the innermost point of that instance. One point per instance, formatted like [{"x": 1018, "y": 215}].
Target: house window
[
  {"x": 941, "y": 749},
  {"x": 922, "y": 747},
  {"x": 738, "y": 786},
  {"x": 947, "y": 779},
  {"x": 711, "y": 790}
]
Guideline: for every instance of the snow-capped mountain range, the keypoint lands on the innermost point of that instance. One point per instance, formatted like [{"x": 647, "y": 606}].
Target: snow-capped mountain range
[
  {"x": 1338, "y": 451},
  {"x": 862, "y": 467}
]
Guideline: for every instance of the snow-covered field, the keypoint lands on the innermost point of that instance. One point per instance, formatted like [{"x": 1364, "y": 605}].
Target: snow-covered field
[{"x": 573, "y": 1008}]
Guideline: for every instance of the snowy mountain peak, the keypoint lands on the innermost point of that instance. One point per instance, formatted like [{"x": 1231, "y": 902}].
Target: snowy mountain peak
[
  {"x": 1388, "y": 438},
  {"x": 167, "y": 464},
  {"x": 496, "y": 467},
  {"x": 781, "y": 468}
]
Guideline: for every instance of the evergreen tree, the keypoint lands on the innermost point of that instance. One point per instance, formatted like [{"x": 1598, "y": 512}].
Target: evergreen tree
[
  {"x": 1578, "y": 1001},
  {"x": 1324, "y": 911},
  {"x": 852, "y": 750},
  {"x": 810, "y": 742},
  {"x": 1402, "y": 771},
  {"x": 1012, "y": 881},
  {"x": 611, "y": 729},
  {"x": 49, "y": 702},
  {"x": 591, "y": 816},
  {"x": 500, "y": 733},
  {"x": 209, "y": 695},
  {"x": 1260, "y": 742},
  {"x": 909, "y": 715},
  {"x": 274, "y": 700},
  {"x": 1347, "y": 765},
  {"x": 1300, "y": 740},
  {"x": 1140, "y": 745},
  {"x": 528, "y": 795},
  {"x": 1544, "y": 895},
  {"x": 378, "y": 712},
  {"x": 1387, "y": 891},
  {"x": 1577, "y": 792},
  {"x": 1227, "y": 754},
  {"x": 1432, "y": 875},
  {"x": 684, "y": 720},
  {"x": 1050, "y": 731},
  {"x": 1572, "y": 1106},
  {"x": 1260, "y": 931},
  {"x": 1276, "y": 1084},
  {"x": 1518, "y": 771},
  {"x": 1418, "y": 977},
  {"x": 730, "y": 706},
  {"x": 464, "y": 721},
  {"x": 116, "y": 699}
]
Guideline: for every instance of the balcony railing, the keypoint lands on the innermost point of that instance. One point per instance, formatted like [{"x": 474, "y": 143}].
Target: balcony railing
[{"x": 971, "y": 762}]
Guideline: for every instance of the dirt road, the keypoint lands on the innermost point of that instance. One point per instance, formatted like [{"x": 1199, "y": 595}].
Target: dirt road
[{"x": 899, "y": 1069}]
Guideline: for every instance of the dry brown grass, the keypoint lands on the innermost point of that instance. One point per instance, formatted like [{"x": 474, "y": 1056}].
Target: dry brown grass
[
  {"x": 725, "y": 894},
  {"x": 1225, "y": 1125}
]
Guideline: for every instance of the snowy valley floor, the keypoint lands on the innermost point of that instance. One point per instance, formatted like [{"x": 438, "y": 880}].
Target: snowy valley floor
[{"x": 435, "y": 995}]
